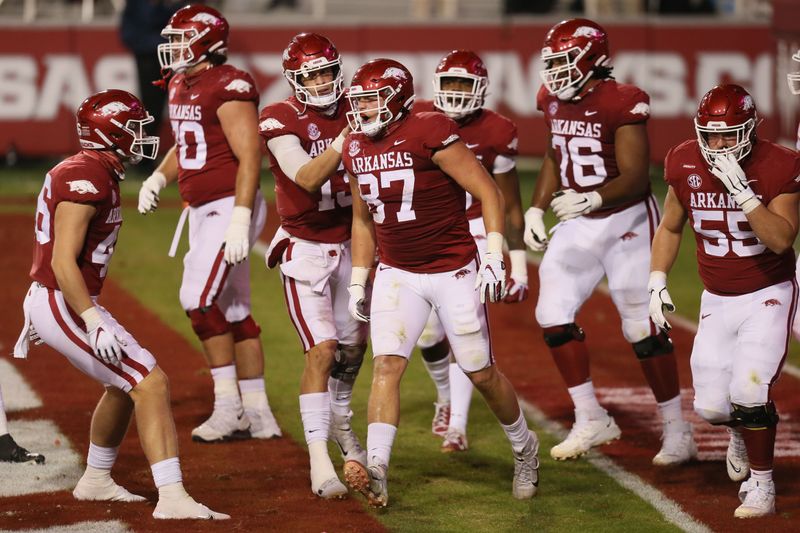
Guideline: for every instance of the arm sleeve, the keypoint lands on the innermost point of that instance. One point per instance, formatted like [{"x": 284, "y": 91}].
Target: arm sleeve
[{"x": 289, "y": 154}]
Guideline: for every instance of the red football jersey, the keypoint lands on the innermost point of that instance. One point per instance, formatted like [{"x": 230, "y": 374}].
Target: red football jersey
[
  {"x": 488, "y": 135},
  {"x": 88, "y": 177},
  {"x": 730, "y": 258},
  {"x": 206, "y": 164},
  {"x": 583, "y": 134},
  {"x": 418, "y": 210},
  {"x": 322, "y": 216}
]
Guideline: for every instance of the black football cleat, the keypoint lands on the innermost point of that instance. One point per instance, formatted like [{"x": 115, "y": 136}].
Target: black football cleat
[{"x": 11, "y": 452}]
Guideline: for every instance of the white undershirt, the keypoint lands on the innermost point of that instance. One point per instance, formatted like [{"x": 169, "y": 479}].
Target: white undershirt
[{"x": 289, "y": 153}]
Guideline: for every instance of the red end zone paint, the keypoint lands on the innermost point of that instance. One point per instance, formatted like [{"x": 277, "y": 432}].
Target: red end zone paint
[{"x": 702, "y": 488}]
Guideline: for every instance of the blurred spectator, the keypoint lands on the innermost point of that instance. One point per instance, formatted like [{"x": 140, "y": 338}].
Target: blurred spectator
[
  {"x": 140, "y": 30},
  {"x": 684, "y": 7},
  {"x": 513, "y": 7}
]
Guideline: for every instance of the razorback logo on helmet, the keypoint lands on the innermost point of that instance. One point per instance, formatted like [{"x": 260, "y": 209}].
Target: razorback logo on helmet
[
  {"x": 240, "y": 86},
  {"x": 355, "y": 147},
  {"x": 642, "y": 108},
  {"x": 112, "y": 108},
  {"x": 747, "y": 103},
  {"x": 82, "y": 187},
  {"x": 270, "y": 124},
  {"x": 586, "y": 31},
  {"x": 206, "y": 18},
  {"x": 394, "y": 72}
]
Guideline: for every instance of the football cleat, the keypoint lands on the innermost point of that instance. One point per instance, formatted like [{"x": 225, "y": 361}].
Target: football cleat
[
  {"x": 454, "y": 441},
  {"x": 344, "y": 437},
  {"x": 224, "y": 424},
  {"x": 11, "y": 452},
  {"x": 103, "y": 489},
  {"x": 185, "y": 508},
  {"x": 526, "y": 469},
  {"x": 736, "y": 460},
  {"x": 585, "y": 434},
  {"x": 330, "y": 489},
  {"x": 263, "y": 424},
  {"x": 441, "y": 419},
  {"x": 370, "y": 481},
  {"x": 678, "y": 445},
  {"x": 758, "y": 499}
]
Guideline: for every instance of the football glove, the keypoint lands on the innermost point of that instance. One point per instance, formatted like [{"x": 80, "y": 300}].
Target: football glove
[
  {"x": 727, "y": 170},
  {"x": 517, "y": 286},
  {"x": 569, "y": 204},
  {"x": 535, "y": 235},
  {"x": 660, "y": 300},
  {"x": 237, "y": 236},
  {"x": 491, "y": 278},
  {"x": 148, "y": 194},
  {"x": 101, "y": 339}
]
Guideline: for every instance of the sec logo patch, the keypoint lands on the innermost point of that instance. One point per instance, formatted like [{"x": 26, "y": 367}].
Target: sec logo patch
[
  {"x": 313, "y": 132},
  {"x": 552, "y": 109},
  {"x": 694, "y": 181},
  {"x": 354, "y": 148}
]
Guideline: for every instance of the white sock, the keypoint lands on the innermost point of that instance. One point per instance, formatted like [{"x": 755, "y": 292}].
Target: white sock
[
  {"x": 762, "y": 476},
  {"x": 226, "y": 392},
  {"x": 439, "y": 371},
  {"x": 671, "y": 410},
  {"x": 380, "y": 438},
  {"x": 254, "y": 394},
  {"x": 460, "y": 398},
  {"x": 101, "y": 458},
  {"x": 315, "y": 412},
  {"x": 341, "y": 392},
  {"x": 585, "y": 399},
  {"x": 3, "y": 420},
  {"x": 517, "y": 433},
  {"x": 167, "y": 473}
]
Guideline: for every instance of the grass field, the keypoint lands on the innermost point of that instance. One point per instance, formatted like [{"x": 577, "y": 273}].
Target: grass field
[{"x": 429, "y": 491}]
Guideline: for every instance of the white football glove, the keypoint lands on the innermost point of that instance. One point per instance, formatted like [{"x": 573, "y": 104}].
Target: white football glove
[
  {"x": 535, "y": 235},
  {"x": 148, "y": 194},
  {"x": 491, "y": 278},
  {"x": 517, "y": 286},
  {"x": 357, "y": 305},
  {"x": 569, "y": 204},
  {"x": 727, "y": 170},
  {"x": 237, "y": 236},
  {"x": 103, "y": 342},
  {"x": 660, "y": 300}
]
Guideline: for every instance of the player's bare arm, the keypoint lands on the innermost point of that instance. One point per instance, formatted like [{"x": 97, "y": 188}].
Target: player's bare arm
[
  {"x": 71, "y": 223},
  {"x": 239, "y": 121},
  {"x": 169, "y": 165},
  {"x": 632, "y": 152},
  {"x": 775, "y": 224},
  {"x": 458, "y": 162},
  {"x": 363, "y": 232},
  {"x": 667, "y": 239},
  {"x": 548, "y": 181},
  {"x": 508, "y": 182}
]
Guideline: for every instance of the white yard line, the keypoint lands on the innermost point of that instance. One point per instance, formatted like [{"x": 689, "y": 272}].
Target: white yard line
[
  {"x": 17, "y": 394},
  {"x": 109, "y": 526}
]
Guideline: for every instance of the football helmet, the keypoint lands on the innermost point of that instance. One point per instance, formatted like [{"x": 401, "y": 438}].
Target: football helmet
[
  {"x": 307, "y": 54},
  {"x": 115, "y": 120},
  {"x": 390, "y": 85},
  {"x": 727, "y": 110},
  {"x": 794, "y": 77},
  {"x": 572, "y": 50},
  {"x": 193, "y": 34},
  {"x": 466, "y": 65}
]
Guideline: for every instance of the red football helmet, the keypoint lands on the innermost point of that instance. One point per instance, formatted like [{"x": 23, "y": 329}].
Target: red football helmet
[
  {"x": 726, "y": 110},
  {"x": 388, "y": 87},
  {"x": 194, "y": 33},
  {"x": 464, "y": 65},
  {"x": 115, "y": 120},
  {"x": 307, "y": 54},
  {"x": 572, "y": 50},
  {"x": 794, "y": 77}
]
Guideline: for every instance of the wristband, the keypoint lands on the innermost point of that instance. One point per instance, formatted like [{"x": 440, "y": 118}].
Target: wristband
[
  {"x": 338, "y": 143},
  {"x": 241, "y": 215},
  {"x": 494, "y": 242},
  {"x": 359, "y": 276},
  {"x": 91, "y": 318},
  {"x": 519, "y": 264},
  {"x": 657, "y": 279}
]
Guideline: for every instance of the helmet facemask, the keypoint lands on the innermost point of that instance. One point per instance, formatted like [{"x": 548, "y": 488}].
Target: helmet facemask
[
  {"x": 744, "y": 139},
  {"x": 177, "y": 54},
  {"x": 310, "y": 95},
  {"x": 564, "y": 80},
  {"x": 457, "y": 104},
  {"x": 793, "y": 78},
  {"x": 370, "y": 126}
]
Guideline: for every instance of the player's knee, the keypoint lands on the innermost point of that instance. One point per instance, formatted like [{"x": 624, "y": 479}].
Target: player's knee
[
  {"x": 713, "y": 412},
  {"x": 556, "y": 336},
  {"x": 245, "y": 329},
  {"x": 761, "y": 416},
  {"x": 483, "y": 379},
  {"x": 548, "y": 315},
  {"x": 208, "y": 322},
  {"x": 636, "y": 330},
  {"x": 154, "y": 385},
  {"x": 653, "y": 346},
  {"x": 347, "y": 362},
  {"x": 388, "y": 368},
  {"x": 321, "y": 356},
  {"x": 435, "y": 352}
]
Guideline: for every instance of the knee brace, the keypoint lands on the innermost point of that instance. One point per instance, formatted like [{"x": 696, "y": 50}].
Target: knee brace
[
  {"x": 245, "y": 329},
  {"x": 208, "y": 322},
  {"x": 437, "y": 352},
  {"x": 653, "y": 346},
  {"x": 347, "y": 362},
  {"x": 556, "y": 336},
  {"x": 757, "y": 417}
]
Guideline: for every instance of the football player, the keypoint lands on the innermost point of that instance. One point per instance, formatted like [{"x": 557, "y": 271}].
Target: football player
[
  {"x": 304, "y": 136},
  {"x": 595, "y": 177},
  {"x": 216, "y": 160},
  {"x": 78, "y": 218},
  {"x": 408, "y": 177},
  {"x": 741, "y": 195},
  {"x": 793, "y": 78},
  {"x": 459, "y": 85}
]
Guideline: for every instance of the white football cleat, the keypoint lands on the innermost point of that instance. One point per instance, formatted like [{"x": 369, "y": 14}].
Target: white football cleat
[
  {"x": 526, "y": 470},
  {"x": 185, "y": 508},
  {"x": 104, "y": 489},
  {"x": 263, "y": 424},
  {"x": 454, "y": 441},
  {"x": 371, "y": 482},
  {"x": 585, "y": 435},
  {"x": 341, "y": 432},
  {"x": 736, "y": 460},
  {"x": 758, "y": 499},
  {"x": 224, "y": 424},
  {"x": 330, "y": 489},
  {"x": 441, "y": 419},
  {"x": 678, "y": 444}
]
